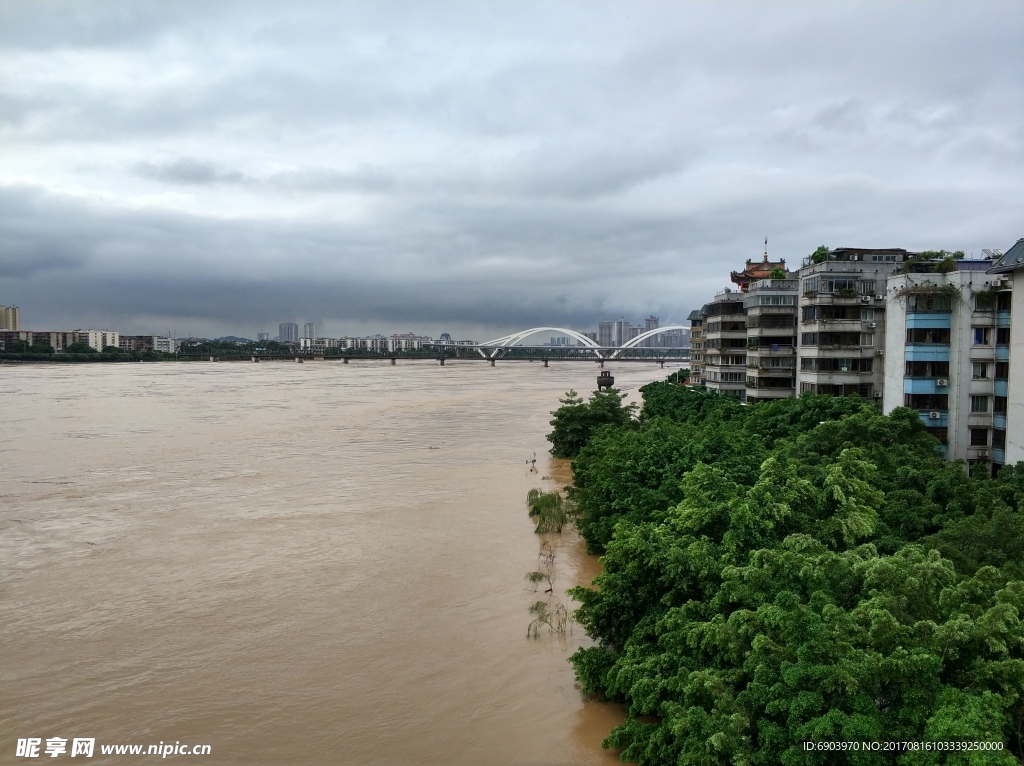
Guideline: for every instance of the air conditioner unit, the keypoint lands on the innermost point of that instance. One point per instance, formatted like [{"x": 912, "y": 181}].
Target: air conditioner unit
[
  {"x": 879, "y": 351},
  {"x": 879, "y": 297},
  {"x": 983, "y": 453},
  {"x": 933, "y": 416},
  {"x": 942, "y": 382},
  {"x": 878, "y": 394},
  {"x": 865, "y": 298},
  {"x": 872, "y": 325}
]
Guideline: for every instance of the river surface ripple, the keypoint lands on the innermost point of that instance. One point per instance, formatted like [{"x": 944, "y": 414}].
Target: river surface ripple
[{"x": 291, "y": 563}]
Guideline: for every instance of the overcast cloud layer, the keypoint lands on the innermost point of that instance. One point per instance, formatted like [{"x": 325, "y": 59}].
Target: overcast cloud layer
[{"x": 218, "y": 168}]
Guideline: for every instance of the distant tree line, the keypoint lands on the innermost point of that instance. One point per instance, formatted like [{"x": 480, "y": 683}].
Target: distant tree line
[{"x": 806, "y": 570}]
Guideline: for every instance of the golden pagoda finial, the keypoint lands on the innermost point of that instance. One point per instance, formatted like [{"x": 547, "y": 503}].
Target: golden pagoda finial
[{"x": 766, "y": 250}]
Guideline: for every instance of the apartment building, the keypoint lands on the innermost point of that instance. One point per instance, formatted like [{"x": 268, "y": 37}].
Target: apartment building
[
  {"x": 288, "y": 332},
  {"x": 725, "y": 344},
  {"x": 1007, "y": 269},
  {"x": 697, "y": 331},
  {"x": 771, "y": 307},
  {"x": 146, "y": 343},
  {"x": 948, "y": 353},
  {"x": 842, "y": 321},
  {"x": 10, "y": 318}
]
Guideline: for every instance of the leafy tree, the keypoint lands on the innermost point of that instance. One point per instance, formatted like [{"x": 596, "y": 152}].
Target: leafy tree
[
  {"x": 777, "y": 273},
  {"x": 80, "y": 348},
  {"x": 807, "y": 569},
  {"x": 577, "y": 420},
  {"x": 820, "y": 253},
  {"x": 41, "y": 348},
  {"x": 111, "y": 350}
]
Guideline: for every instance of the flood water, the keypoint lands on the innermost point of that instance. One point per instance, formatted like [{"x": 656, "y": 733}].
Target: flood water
[{"x": 312, "y": 563}]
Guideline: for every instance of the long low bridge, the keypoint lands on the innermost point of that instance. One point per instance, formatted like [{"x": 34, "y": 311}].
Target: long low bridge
[{"x": 508, "y": 347}]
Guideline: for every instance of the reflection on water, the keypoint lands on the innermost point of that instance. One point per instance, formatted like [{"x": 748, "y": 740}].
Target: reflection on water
[{"x": 294, "y": 564}]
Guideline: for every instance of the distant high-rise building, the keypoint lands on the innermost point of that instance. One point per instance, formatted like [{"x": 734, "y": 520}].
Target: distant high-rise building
[
  {"x": 651, "y": 323},
  {"x": 288, "y": 332},
  {"x": 309, "y": 330},
  {"x": 262, "y": 336},
  {"x": 604, "y": 333},
  {"x": 10, "y": 318},
  {"x": 621, "y": 332}
]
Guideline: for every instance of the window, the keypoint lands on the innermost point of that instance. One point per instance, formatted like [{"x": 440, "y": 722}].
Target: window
[
  {"x": 811, "y": 285},
  {"x": 809, "y": 339},
  {"x": 928, "y": 302},
  {"x": 867, "y": 339},
  {"x": 1003, "y": 336},
  {"x": 884, "y": 258},
  {"x": 926, "y": 401},
  {"x": 979, "y": 371},
  {"x": 928, "y": 335},
  {"x": 942, "y": 434},
  {"x": 999, "y": 405},
  {"x": 825, "y": 364},
  {"x": 982, "y": 336},
  {"x": 867, "y": 287},
  {"x": 979, "y": 404},
  {"x": 1002, "y": 370},
  {"x": 999, "y": 439},
  {"x": 927, "y": 370},
  {"x": 1003, "y": 301},
  {"x": 867, "y": 315},
  {"x": 838, "y": 285},
  {"x": 979, "y": 437}
]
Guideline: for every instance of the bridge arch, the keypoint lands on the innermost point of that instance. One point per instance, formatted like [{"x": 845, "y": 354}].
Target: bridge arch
[
  {"x": 494, "y": 347},
  {"x": 634, "y": 342}
]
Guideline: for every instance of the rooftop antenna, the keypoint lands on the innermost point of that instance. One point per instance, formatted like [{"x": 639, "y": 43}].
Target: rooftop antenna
[{"x": 766, "y": 249}]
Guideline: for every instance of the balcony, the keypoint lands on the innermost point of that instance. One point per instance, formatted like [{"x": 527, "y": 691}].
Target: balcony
[
  {"x": 927, "y": 352},
  {"x": 924, "y": 386}
]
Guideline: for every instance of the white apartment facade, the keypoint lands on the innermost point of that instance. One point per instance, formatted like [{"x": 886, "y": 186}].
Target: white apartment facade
[{"x": 948, "y": 352}]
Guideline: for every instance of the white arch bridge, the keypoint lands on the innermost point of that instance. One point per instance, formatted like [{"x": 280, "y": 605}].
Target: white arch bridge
[{"x": 510, "y": 344}]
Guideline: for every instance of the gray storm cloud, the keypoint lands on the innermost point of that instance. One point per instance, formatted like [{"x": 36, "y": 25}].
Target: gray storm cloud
[{"x": 482, "y": 168}]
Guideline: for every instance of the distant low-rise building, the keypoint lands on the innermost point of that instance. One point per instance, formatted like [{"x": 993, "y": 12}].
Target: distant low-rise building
[{"x": 147, "y": 343}]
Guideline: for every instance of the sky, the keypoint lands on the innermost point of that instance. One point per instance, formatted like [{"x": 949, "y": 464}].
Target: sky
[{"x": 215, "y": 168}]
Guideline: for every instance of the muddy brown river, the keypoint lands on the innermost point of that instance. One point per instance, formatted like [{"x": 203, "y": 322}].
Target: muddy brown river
[{"x": 294, "y": 564}]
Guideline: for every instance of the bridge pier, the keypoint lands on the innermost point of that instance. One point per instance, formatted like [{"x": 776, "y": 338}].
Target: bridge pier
[
  {"x": 492, "y": 362},
  {"x": 214, "y": 359},
  {"x": 441, "y": 361},
  {"x": 545, "y": 362},
  {"x": 255, "y": 358},
  {"x": 393, "y": 361},
  {"x": 601, "y": 364},
  {"x": 662, "y": 364},
  {"x": 344, "y": 360},
  {"x": 298, "y": 359}
]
